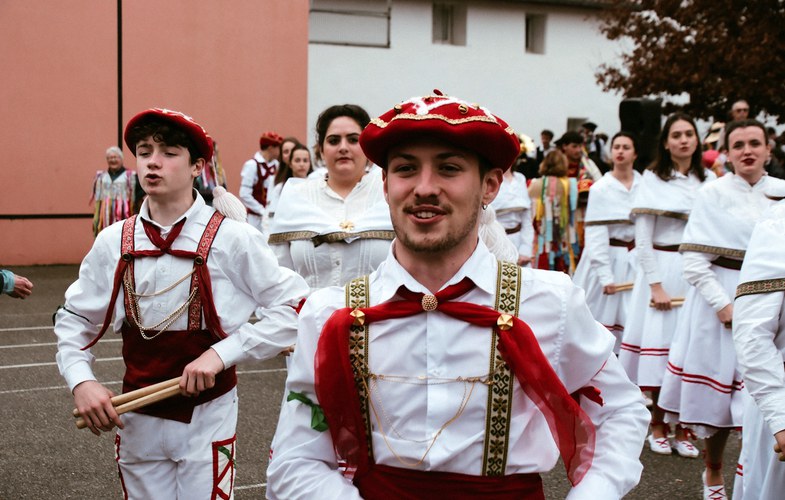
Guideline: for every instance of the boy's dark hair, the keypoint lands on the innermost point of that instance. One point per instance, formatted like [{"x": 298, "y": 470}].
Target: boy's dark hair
[
  {"x": 166, "y": 133},
  {"x": 749, "y": 122}
]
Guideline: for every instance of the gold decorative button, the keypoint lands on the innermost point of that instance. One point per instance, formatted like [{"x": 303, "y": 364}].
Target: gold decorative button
[
  {"x": 398, "y": 108},
  {"x": 504, "y": 322},
  {"x": 429, "y": 302},
  {"x": 198, "y": 260},
  {"x": 127, "y": 257},
  {"x": 463, "y": 109},
  {"x": 359, "y": 317},
  {"x": 347, "y": 225}
]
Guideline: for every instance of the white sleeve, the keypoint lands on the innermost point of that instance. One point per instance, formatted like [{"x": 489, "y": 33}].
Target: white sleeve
[
  {"x": 597, "y": 242},
  {"x": 248, "y": 178},
  {"x": 698, "y": 273},
  {"x": 621, "y": 421},
  {"x": 525, "y": 248},
  {"x": 86, "y": 301},
  {"x": 277, "y": 291},
  {"x": 756, "y": 323},
  {"x": 644, "y": 246},
  {"x": 303, "y": 463}
]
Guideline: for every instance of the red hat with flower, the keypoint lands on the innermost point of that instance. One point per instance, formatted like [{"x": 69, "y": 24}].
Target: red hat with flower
[
  {"x": 202, "y": 140},
  {"x": 270, "y": 139},
  {"x": 447, "y": 118}
]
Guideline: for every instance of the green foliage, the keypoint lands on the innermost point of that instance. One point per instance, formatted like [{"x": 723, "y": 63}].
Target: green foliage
[{"x": 716, "y": 51}]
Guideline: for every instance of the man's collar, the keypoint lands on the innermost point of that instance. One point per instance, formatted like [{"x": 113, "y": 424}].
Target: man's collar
[
  {"x": 476, "y": 268},
  {"x": 144, "y": 211}
]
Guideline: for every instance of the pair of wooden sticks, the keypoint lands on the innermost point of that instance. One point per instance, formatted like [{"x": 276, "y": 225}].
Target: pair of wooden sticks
[
  {"x": 139, "y": 398},
  {"x": 675, "y": 302},
  {"x": 623, "y": 287}
]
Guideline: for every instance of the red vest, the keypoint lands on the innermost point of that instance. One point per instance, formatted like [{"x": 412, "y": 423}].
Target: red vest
[
  {"x": 259, "y": 190},
  {"x": 164, "y": 356}
]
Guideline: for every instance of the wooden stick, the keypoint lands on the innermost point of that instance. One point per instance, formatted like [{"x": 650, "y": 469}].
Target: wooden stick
[
  {"x": 121, "y": 399},
  {"x": 623, "y": 287},
  {"x": 675, "y": 302},
  {"x": 140, "y": 398}
]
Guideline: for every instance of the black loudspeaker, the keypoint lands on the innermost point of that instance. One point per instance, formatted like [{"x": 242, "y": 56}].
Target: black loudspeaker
[{"x": 642, "y": 117}]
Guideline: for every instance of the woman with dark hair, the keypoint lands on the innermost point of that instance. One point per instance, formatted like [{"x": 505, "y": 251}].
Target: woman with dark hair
[
  {"x": 286, "y": 150},
  {"x": 607, "y": 259},
  {"x": 297, "y": 165},
  {"x": 334, "y": 228},
  {"x": 702, "y": 386},
  {"x": 660, "y": 211}
]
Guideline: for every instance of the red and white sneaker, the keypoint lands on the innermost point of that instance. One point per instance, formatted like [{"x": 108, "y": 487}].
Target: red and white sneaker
[
  {"x": 713, "y": 492},
  {"x": 686, "y": 449},
  {"x": 660, "y": 446}
]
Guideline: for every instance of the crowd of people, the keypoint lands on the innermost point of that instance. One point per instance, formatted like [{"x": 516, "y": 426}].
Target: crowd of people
[{"x": 519, "y": 315}]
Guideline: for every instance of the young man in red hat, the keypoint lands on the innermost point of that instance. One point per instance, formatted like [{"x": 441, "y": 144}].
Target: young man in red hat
[
  {"x": 446, "y": 373},
  {"x": 258, "y": 179},
  {"x": 178, "y": 282}
]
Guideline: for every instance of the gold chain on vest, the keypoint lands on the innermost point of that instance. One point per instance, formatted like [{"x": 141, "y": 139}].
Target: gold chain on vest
[{"x": 169, "y": 320}]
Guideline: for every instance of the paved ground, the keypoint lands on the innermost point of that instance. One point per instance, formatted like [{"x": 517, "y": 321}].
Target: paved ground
[{"x": 46, "y": 457}]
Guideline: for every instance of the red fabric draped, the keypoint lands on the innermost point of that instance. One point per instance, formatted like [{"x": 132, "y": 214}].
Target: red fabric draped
[{"x": 570, "y": 426}]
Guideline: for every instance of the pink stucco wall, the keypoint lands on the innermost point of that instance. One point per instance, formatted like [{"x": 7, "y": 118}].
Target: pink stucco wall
[{"x": 238, "y": 68}]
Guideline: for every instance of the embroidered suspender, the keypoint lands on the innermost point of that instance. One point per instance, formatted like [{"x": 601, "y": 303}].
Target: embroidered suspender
[
  {"x": 358, "y": 294},
  {"x": 499, "y": 406},
  {"x": 202, "y": 251}
]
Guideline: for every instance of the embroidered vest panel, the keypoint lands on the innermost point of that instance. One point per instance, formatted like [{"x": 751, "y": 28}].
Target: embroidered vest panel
[{"x": 160, "y": 357}]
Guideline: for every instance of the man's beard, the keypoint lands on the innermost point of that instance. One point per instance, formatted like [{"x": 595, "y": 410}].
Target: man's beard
[{"x": 447, "y": 242}]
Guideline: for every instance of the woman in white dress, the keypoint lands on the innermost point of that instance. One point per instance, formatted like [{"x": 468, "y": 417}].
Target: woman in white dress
[
  {"x": 608, "y": 256},
  {"x": 334, "y": 228},
  {"x": 702, "y": 386},
  {"x": 660, "y": 211},
  {"x": 297, "y": 166},
  {"x": 759, "y": 337},
  {"x": 513, "y": 211}
]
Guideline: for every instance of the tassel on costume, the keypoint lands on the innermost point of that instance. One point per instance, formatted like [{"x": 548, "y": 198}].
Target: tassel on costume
[{"x": 228, "y": 204}]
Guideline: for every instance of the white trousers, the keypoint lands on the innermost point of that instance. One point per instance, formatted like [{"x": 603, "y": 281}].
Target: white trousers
[{"x": 166, "y": 459}]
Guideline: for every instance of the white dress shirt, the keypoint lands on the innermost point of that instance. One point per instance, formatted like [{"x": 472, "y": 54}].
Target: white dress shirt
[
  {"x": 513, "y": 208},
  {"x": 435, "y": 347},
  {"x": 243, "y": 270}
]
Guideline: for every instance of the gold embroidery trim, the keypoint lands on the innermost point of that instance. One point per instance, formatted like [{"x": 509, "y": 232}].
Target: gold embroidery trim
[
  {"x": 606, "y": 222},
  {"x": 499, "y": 407},
  {"x": 358, "y": 296},
  {"x": 664, "y": 213},
  {"x": 335, "y": 237},
  {"x": 760, "y": 286},
  {"x": 722, "y": 251},
  {"x": 452, "y": 121}
]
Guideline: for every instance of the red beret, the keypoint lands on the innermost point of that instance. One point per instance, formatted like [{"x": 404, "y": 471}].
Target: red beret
[
  {"x": 202, "y": 140},
  {"x": 270, "y": 139},
  {"x": 446, "y": 118}
]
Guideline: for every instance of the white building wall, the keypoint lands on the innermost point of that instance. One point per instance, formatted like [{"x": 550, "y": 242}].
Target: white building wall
[{"x": 530, "y": 91}]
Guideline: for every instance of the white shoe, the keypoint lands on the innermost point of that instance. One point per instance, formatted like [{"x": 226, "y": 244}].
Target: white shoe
[
  {"x": 713, "y": 492},
  {"x": 660, "y": 446},
  {"x": 686, "y": 449}
]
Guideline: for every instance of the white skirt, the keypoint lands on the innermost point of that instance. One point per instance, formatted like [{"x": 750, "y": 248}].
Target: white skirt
[
  {"x": 648, "y": 332},
  {"x": 610, "y": 310},
  {"x": 702, "y": 384},
  {"x": 760, "y": 476}
]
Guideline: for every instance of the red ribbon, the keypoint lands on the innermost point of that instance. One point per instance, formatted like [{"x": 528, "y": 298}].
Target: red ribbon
[{"x": 570, "y": 426}]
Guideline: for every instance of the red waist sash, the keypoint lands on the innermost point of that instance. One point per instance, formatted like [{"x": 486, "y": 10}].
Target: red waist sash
[
  {"x": 164, "y": 357},
  {"x": 383, "y": 482}
]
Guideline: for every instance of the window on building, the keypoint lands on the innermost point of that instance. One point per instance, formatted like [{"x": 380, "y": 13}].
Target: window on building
[
  {"x": 535, "y": 33},
  {"x": 574, "y": 123},
  {"x": 363, "y": 23},
  {"x": 449, "y": 24}
]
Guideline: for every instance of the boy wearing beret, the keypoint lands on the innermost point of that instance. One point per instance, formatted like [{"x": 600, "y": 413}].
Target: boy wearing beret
[
  {"x": 178, "y": 282},
  {"x": 258, "y": 179},
  {"x": 446, "y": 373}
]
